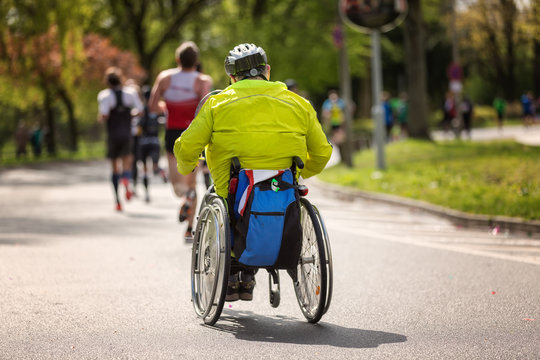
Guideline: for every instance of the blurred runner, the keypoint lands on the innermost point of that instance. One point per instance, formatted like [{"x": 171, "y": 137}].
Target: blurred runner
[
  {"x": 181, "y": 88},
  {"x": 131, "y": 83},
  {"x": 149, "y": 145},
  {"x": 117, "y": 105}
]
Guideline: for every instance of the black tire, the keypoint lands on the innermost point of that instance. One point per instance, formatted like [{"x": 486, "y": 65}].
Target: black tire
[
  {"x": 311, "y": 285},
  {"x": 329, "y": 266},
  {"x": 210, "y": 261}
]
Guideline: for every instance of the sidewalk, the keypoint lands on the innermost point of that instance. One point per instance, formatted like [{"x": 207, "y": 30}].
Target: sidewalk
[{"x": 528, "y": 136}]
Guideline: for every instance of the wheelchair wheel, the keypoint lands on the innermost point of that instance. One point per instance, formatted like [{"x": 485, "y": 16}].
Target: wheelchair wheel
[
  {"x": 329, "y": 268},
  {"x": 311, "y": 285},
  {"x": 210, "y": 261}
]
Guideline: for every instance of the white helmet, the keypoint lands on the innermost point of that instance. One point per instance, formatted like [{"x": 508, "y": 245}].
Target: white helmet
[{"x": 246, "y": 60}]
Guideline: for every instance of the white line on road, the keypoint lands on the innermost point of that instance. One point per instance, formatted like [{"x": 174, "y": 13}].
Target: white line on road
[{"x": 450, "y": 247}]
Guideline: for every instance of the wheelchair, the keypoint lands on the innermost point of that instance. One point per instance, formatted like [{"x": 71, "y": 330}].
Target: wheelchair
[{"x": 211, "y": 260}]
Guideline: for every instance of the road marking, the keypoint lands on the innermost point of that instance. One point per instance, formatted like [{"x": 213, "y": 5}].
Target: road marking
[{"x": 450, "y": 247}]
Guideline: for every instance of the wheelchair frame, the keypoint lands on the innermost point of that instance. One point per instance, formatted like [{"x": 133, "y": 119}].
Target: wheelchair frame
[{"x": 211, "y": 261}]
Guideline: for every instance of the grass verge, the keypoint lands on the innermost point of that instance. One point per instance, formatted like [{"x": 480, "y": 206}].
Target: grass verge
[
  {"x": 87, "y": 151},
  {"x": 490, "y": 178}
]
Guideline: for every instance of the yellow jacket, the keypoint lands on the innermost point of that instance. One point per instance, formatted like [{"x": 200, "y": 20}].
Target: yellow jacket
[{"x": 261, "y": 123}]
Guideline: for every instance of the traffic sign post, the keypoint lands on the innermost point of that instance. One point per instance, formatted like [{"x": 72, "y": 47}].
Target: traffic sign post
[
  {"x": 374, "y": 17},
  {"x": 377, "y": 108},
  {"x": 345, "y": 91}
]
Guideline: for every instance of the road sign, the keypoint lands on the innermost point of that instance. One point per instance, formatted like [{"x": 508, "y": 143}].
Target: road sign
[
  {"x": 454, "y": 71},
  {"x": 367, "y": 15},
  {"x": 337, "y": 36}
]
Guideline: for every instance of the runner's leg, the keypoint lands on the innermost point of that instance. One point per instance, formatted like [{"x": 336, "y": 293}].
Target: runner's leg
[
  {"x": 178, "y": 185},
  {"x": 115, "y": 178},
  {"x": 127, "y": 161},
  {"x": 145, "y": 180}
]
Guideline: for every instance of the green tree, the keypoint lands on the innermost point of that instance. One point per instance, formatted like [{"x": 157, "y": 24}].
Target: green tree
[
  {"x": 491, "y": 36},
  {"x": 147, "y": 27},
  {"x": 42, "y": 47}
]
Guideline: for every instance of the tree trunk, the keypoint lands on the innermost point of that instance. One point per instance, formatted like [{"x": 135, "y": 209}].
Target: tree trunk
[
  {"x": 509, "y": 13},
  {"x": 50, "y": 133},
  {"x": 364, "y": 96},
  {"x": 416, "y": 72},
  {"x": 536, "y": 57},
  {"x": 72, "y": 121}
]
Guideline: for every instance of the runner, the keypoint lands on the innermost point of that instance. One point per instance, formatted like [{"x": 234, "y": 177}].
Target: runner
[
  {"x": 149, "y": 145},
  {"x": 132, "y": 84},
  {"x": 117, "y": 105},
  {"x": 182, "y": 88}
]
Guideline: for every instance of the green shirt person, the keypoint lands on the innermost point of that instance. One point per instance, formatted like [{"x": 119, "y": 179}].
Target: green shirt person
[{"x": 500, "y": 107}]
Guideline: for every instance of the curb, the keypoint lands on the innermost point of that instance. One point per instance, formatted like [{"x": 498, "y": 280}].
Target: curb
[{"x": 457, "y": 217}]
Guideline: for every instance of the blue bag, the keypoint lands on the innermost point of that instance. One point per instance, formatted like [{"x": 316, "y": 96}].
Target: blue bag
[{"x": 266, "y": 212}]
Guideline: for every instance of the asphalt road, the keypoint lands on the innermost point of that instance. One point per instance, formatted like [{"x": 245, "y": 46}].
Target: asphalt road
[{"x": 80, "y": 281}]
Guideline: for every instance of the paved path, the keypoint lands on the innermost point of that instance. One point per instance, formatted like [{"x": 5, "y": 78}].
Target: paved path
[
  {"x": 527, "y": 136},
  {"x": 80, "y": 281}
]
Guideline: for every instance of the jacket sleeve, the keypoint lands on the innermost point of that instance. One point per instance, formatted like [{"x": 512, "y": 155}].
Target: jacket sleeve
[
  {"x": 319, "y": 149},
  {"x": 191, "y": 143}
]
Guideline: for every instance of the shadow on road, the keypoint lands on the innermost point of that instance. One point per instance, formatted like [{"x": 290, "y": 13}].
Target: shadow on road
[
  {"x": 55, "y": 174},
  {"x": 281, "y": 329},
  {"x": 53, "y": 228}
]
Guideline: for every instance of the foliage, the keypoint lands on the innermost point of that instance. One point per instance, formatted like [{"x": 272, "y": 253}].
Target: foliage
[
  {"x": 492, "y": 178},
  {"x": 297, "y": 36},
  {"x": 87, "y": 151},
  {"x": 53, "y": 53},
  {"x": 49, "y": 61},
  {"x": 494, "y": 42},
  {"x": 147, "y": 27}
]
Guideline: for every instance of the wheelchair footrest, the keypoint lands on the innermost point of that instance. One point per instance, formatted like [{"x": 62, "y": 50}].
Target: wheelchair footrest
[{"x": 273, "y": 287}]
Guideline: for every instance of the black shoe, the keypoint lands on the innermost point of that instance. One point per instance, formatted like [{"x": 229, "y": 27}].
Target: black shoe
[
  {"x": 186, "y": 211},
  {"x": 232, "y": 288},
  {"x": 188, "y": 236},
  {"x": 247, "y": 284}
]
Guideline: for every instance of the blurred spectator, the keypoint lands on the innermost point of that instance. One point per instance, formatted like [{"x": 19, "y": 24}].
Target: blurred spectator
[
  {"x": 500, "y": 108},
  {"x": 467, "y": 108},
  {"x": 528, "y": 109},
  {"x": 400, "y": 111},
  {"x": 388, "y": 116},
  {"x": 21, "y": 139},
  {"x": 36, "y": 139},
  {"x": 449, "y": 111},
  {"x": 333, "y": 111}
]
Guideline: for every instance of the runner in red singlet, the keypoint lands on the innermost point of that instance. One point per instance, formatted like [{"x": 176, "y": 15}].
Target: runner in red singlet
[{"x": 181, "y": 88}]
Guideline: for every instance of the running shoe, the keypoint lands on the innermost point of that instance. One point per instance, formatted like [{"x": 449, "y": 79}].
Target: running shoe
[
  {"x": 129, "y": 193},
  {"x": 162, "y": 174},
  {"x": 188, "y": 236},
  {"x": 186, "y": 211},
  {"x": 118, "y": 206}
]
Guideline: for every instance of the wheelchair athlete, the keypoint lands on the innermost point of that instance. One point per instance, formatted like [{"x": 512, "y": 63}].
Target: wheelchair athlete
[{"x": 260, "y": 122}]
